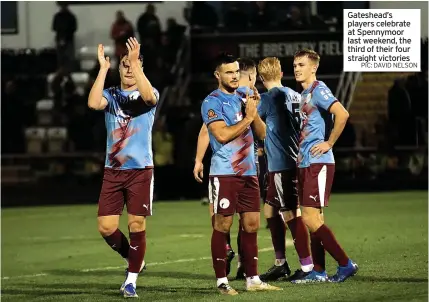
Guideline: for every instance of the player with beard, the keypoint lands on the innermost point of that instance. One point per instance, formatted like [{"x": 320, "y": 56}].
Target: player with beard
[
  {"x": 233, "y": 184},
  {"x": 246, "y": 83},
  {"x": 128, "y": 178}
]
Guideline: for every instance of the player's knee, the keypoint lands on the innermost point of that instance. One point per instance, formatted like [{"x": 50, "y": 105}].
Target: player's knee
[
  {"x": 251, "y": 225},
  {"x": 107, "y": 228},
  {"x": 289, "y": 215},
  {"x": 268, "y": 211},
  {"x": 313, "y": 222},
  {"x": 136, "y": 224},
  {"x": 223, "y": 224}
]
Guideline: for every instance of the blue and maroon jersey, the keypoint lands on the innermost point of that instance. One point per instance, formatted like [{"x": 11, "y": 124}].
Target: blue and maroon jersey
[
  {"x": 236, "y": 157},
  {"x": 129, "y": 124},
  {"x": 316, "y": 123}
]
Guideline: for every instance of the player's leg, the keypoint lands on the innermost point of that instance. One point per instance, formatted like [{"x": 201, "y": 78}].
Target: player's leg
[
  {"x": 240, "y": 267},
  {"x": 277, "y": 228},
  {"x": 110, "y": 206},
  {"x": 222, "y": 194},
  {"x": 288, "y": 197},
  {"x": 139, "y": 197},
  {"x": 229, "y": 251},
  {"x": 249, "y": 207},
  {"x": 317, "y": 189}
]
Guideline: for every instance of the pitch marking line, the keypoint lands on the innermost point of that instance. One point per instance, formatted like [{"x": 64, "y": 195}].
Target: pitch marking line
[{"x": 108, "y": 268}]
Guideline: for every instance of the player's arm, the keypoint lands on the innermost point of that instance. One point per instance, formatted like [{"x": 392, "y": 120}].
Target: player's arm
[
  {"x": 224, "y": 133},
  {"x": 326, "y": 101},
  {"x": 96, "y": 100},
  {"x": 258, "y": 125},
  {"x": 202, "y": 143},
  {"x": 341, "y": 117},
  {"x": 143, "y": 85}
]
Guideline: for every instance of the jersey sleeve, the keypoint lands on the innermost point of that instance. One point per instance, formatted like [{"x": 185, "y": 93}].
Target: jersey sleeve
[
  {"x": 211, "y": 111},
  {"x": 263, "y": 107},
  {"x": 108, "y": 96},
  {"x": 324, "y": 98},
  {"x": 156, "y": 93}
]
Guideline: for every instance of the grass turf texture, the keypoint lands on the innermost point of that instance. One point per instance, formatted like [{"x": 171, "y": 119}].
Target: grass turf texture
[{"x": 386, "y": 234}]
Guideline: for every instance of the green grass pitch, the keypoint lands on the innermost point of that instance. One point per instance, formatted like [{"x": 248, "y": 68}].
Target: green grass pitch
[{"x": 56, "y": 254}]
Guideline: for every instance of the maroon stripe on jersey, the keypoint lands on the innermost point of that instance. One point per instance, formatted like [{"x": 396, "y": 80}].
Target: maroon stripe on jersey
[
  {"x": 122, "y": 133},
  {"x": 313, "y": 86},
  {"x": 238, "y": 164}
]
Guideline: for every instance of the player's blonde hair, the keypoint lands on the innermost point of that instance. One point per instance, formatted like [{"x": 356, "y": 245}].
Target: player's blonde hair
[
  {"x": 309, "y": 53},
  {"x": 270, "y": 69}
]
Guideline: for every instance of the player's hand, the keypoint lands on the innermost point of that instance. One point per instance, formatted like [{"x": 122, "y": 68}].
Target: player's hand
[
  {"x": 104, "y": 61},
  {"x": 251, "y": 110},
  {"x": 319, "y": 149},
  {"x": 133, "y": 47},
  {"x": 256, "y": 96},
  {"x": 199, "y": 171}
]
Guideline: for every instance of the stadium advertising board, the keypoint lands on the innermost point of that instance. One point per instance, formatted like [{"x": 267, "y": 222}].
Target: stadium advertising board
[{"x": 259, "y": 45}]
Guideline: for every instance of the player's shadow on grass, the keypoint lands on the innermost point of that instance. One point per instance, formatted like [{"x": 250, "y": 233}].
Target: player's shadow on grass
[
  {"x": 120, "y": 273},
  {"x": 392, "y": 279}
]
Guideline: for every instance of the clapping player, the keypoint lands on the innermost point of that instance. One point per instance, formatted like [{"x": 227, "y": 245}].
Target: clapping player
[{"x": 129, "y": 111}]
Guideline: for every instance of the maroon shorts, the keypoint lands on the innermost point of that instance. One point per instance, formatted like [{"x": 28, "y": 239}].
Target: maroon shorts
[
  {"x": 132, "y": 187},
  {"x": 282, "y": 192},
  {"x": 234, "y": 194},
  {"x": 314, "y": 185}
]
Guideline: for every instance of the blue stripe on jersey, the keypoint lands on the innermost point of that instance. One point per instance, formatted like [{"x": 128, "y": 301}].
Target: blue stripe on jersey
[
  {"x": 236, "y": 157},
  {"x": 316, "y": 123},
  {"x": 279, "y": 107},
  {"x": 129, "y": 124}
]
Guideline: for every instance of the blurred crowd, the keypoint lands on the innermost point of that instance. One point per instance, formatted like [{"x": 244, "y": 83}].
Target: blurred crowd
[
  {"x": 246, "y": 16},
  {"x": 56, "y": 75}
]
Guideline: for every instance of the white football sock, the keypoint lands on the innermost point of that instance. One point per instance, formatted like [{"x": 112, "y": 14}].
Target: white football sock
[
  {"x": 307, "y": 268},
  {"x": 279, "y": 262},
  {"x": 132, "y": 278},
  {"x": 221, "y": 280},
  {"x": 253, "y": 279}
]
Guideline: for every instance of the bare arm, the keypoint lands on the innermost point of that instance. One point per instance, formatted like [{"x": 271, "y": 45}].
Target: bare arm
[
  {"x": 259, "y": 128},
  {"x": 225, "y": 134},
  {"x": 96, "y": 100},
  {"x": 341, "y": 116},
  {"x": 202, "y": 143},
  {"x": 143, "y": 85}
]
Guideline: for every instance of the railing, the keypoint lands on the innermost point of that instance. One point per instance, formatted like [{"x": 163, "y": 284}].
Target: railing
[
  {"x": 346, "y": 87},
  {"x": 176, "y": 72}
]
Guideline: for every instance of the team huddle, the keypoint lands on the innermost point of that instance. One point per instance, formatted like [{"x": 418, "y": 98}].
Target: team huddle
[{"x": 298, "y": 133}]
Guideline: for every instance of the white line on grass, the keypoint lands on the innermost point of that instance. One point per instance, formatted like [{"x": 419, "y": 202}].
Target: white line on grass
[
  {"x": 24, "y": 276},
  {"x": 108, "y": 268}
]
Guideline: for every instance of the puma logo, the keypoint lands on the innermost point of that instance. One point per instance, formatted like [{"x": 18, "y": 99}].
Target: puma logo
[
  {"x": 313, "y": 197},
  {"x": 145, "y": 206},
  {"x": 134, "y": 247}
]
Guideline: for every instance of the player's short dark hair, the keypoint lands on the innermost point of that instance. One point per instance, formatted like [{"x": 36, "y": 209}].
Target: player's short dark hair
[
  {"x": 246, "y": 64},
  {"x": 126, "y": 54},
  {"x": 309, "y": 53},
  {"x": 224, "y": 58}
]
